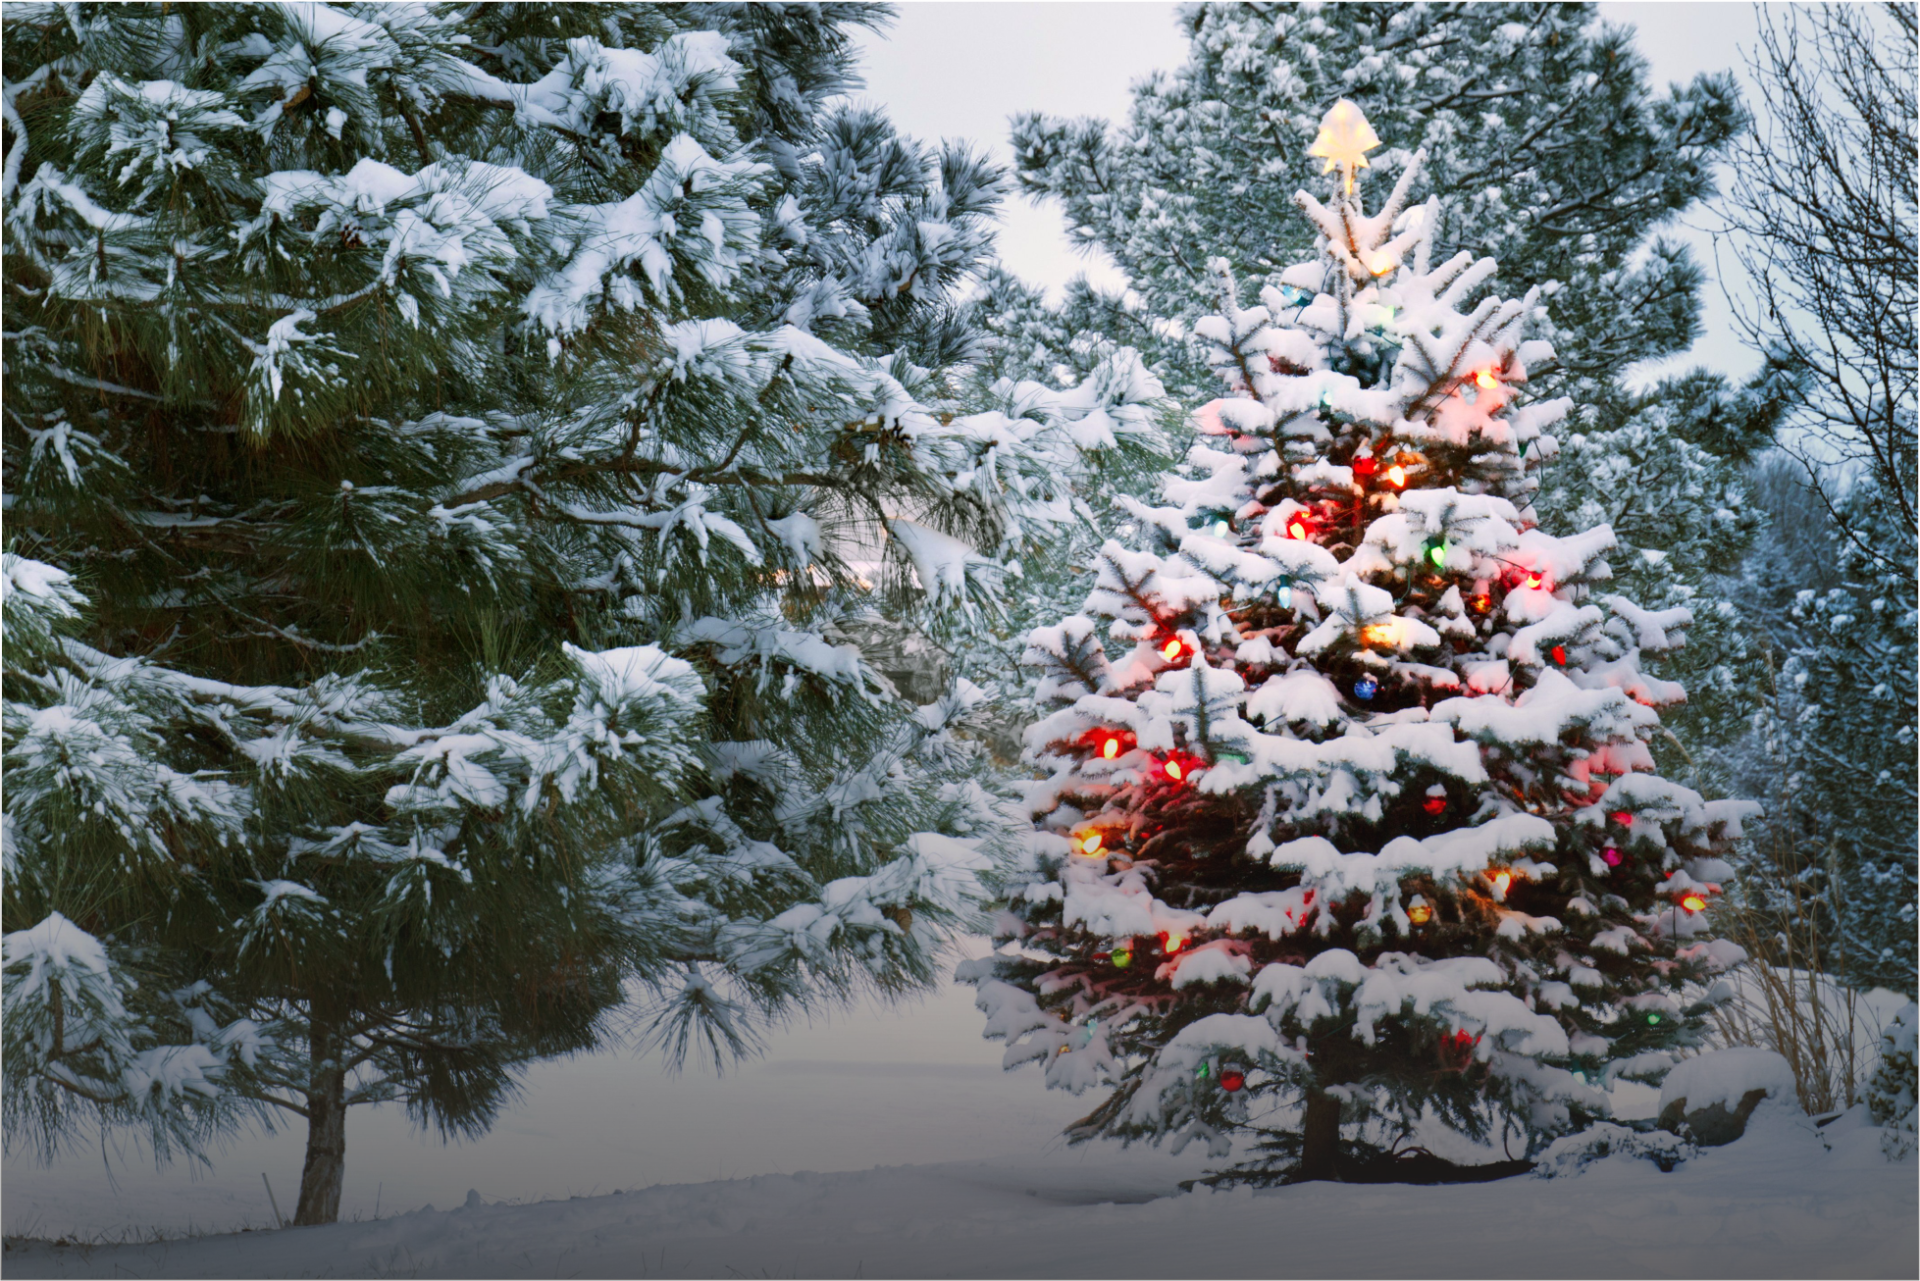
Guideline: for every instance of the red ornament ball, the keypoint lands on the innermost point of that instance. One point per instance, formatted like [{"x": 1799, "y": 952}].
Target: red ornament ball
[
  {"x": 1434, "y": 805},
  {"x": 1231, "y": 1080}
]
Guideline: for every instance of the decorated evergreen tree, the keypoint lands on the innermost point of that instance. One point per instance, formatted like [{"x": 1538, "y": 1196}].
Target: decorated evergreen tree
[
  {"x": 458, "y": 462},
  {"x": 1349, "y": 822}
]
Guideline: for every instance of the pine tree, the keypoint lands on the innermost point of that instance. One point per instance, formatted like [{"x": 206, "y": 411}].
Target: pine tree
[
  {"x": 454, "y": 459},
  {"x": 1834, "y": 865},
  {"x": 1349, "y": 822},
  {"x": 1550, "y": 151}
]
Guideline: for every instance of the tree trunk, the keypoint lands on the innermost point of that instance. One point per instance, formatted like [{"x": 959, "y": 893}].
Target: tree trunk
[
  {"x": 1320, "y": 1137},
  {"x": 326, "y": 1167}
]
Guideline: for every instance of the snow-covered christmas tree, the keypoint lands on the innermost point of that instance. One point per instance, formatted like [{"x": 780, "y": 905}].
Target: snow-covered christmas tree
[
  {"x": 459, "y": 463},
  {"x": 1348, "y": 823}
]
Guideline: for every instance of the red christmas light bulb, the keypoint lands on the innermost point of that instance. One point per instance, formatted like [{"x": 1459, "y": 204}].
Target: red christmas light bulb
[
  {"x": 1485, "y": 380},
  {"x": 1365, "y": 465},
  {"x": 1559, "y": 653},
  {"x": 1694, "y": 903},
  {"x": 1171, "y": 650},
  {"x": 1297, "y": 528},
  {"x": 1110, "y": 748}
]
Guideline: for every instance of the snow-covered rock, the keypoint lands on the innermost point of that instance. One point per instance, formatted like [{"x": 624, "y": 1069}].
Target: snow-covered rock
[{"x": 1714, "y": 1093}]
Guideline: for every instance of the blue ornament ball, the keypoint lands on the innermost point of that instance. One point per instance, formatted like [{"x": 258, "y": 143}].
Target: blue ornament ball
[{"x": 1365, "y": 688}]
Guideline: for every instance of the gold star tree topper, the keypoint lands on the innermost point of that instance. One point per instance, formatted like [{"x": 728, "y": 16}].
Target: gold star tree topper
[{"x": 1345, "y": 139}]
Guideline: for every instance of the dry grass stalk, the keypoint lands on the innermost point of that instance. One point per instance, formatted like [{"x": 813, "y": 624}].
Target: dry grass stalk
[
  {"x": 1787, "y": 1001},
  {"x": 1812, "y": 1022}
]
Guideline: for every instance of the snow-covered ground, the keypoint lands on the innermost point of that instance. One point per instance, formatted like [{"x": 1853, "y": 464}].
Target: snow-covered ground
[
  {"x": 1782, "y": 1202},
  {"x": 971, "y": 1179}
]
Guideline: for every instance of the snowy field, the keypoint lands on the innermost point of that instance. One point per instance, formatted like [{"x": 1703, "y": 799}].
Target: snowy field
[
  {"x": 972, "y": 1179},
  {"x": 1784, "y": 1201}
]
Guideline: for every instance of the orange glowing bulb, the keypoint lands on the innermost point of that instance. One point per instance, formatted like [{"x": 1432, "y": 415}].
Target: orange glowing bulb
[
  {"x": 1693, "y": 903},
  {"x": 1501, "y": 880},
  {"x": 1534, "y": 580},
  {"x": 1110, "y": 748},
  {"x": 1170, "y": 651},
  {"x": 1396, "y": 475},
  {"x": 1296, "y": 529},
  {"x": 1485, "y": 380},
  {"x": 1091, "y": 844},
  {"x": 1173, "y": 770},
  {"x": 1419, "y": 914}
]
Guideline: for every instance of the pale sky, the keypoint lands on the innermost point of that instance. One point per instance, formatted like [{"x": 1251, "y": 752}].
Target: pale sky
[{"x": 961, "y": 68}]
